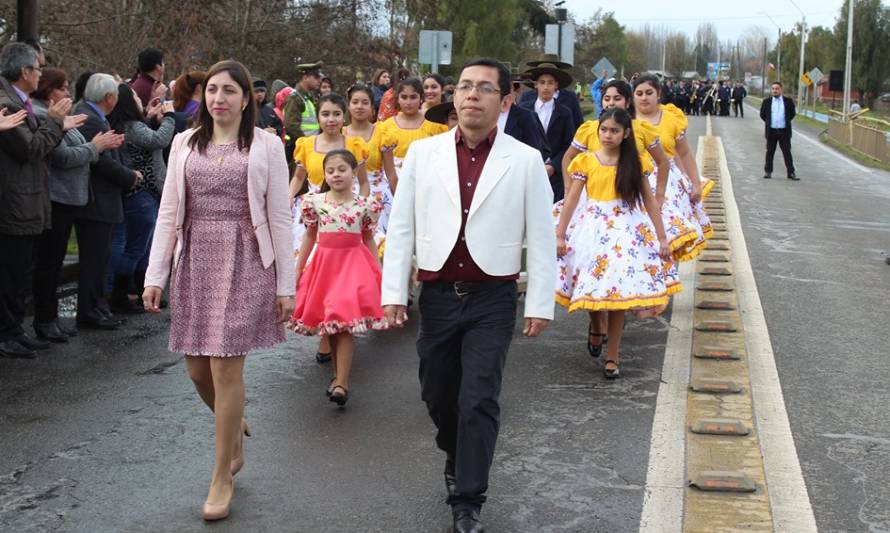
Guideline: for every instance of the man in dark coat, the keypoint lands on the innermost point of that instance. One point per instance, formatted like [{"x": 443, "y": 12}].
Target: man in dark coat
[
  {"x": 566, "y": 97},
  {"x": 777, "y": 113},
  {"x": 24, "y": 191},
  {"x": 738, "y": 99},
  {"x": 110, "y": 177},
  {"x": 555, "y": 118}
]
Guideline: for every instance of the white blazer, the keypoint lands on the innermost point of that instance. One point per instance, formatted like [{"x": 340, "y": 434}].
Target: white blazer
[{"x": 512, "y": 204}]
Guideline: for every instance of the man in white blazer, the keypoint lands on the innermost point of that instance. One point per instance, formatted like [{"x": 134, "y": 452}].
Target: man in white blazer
[{"x": 466, "y": 201}]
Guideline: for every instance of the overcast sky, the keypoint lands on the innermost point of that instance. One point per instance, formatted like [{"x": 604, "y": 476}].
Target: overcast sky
[{"x": 730, "y": 18}]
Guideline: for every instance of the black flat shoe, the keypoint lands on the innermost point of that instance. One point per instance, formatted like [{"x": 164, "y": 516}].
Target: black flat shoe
[
  {"x": 32, "y": 344},
  {"x": 595, "y": 350},
  {"x": 337, "y": 398},
  {"x": 49, "y": 331},
  {"x": 69, "y": 331},
  {"x": 13, "y": 350},
  {"x": 793, "y": 177},
  {"x": 322, "y": 357},
  {"x": 467, "y": 521},
  {"x": 767, "y": 176}
]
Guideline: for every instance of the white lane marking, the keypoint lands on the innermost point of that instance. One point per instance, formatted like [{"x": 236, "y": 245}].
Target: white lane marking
[
  {"x": 789, "y": 500},
  {"x": 826, "y": 149},
  {"x": 665, "y": 493}
]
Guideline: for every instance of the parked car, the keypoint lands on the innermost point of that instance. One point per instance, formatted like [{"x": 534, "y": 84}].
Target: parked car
[{"x": 884, "y": 97}]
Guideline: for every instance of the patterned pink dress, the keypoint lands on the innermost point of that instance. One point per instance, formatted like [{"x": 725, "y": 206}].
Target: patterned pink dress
[
  {"x": 339, "y": 291},
  {"x": 222, "y": 300}
]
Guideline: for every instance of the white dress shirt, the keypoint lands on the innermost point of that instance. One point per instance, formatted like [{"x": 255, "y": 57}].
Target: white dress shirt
[
  {"x": 777, "y": 115},
  {"x": 545, "y": 111}
]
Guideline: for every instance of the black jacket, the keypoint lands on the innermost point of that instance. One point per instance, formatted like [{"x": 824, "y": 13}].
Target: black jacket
[
  {"x": 24, "y": 190},
  {"x": 739, "y": 93},
  {"x": 524, "y": 126},
  {"x": 766, "y": 113},
  {"x": 110, "y": 176},
  {"x": 565, "y": 97},
  {"x": 559, "y": 134}
]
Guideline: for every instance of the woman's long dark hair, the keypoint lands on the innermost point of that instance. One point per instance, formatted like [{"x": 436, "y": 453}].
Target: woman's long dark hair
[
  {"x": 414, "y": 83},
  {"x": 204, "y": 122},
  {"x": 126, "y": 110},
  {"x": 629, "y": 181},
  {"x": 624, "y": 89}
]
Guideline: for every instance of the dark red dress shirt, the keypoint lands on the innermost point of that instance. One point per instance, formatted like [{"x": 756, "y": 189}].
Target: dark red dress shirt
[{"x": 460, "y": 265}]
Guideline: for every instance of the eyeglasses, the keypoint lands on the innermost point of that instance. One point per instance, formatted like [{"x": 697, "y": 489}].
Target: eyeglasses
[
  {"x": 36, "y": 69},
  {"x": 484, "y": 88}
]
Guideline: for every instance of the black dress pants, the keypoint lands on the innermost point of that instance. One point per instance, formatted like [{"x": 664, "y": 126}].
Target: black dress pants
[
  {"x": 782, "y": 137},
  {"x": 462, "y": 344},
  {"x": 94, "y": 245},
  {"x": 16, "y": 261},
  {"x": 738, "y": 108},
  {"x": 51, "y": 250}
]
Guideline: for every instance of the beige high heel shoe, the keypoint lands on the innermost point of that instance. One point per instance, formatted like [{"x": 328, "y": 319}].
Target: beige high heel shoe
[{"x": 215, "y": 511}]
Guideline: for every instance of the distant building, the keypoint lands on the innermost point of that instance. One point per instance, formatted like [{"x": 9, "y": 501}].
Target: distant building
[{"x": 691, "y": 75}]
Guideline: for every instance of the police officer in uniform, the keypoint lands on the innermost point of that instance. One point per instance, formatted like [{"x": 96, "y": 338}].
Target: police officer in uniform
[{"x": 299, "y": 110}]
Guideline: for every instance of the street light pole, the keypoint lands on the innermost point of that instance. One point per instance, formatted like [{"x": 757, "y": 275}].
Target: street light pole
[
  {"x": 848, "y": 69},
  {"x": 803, "y": 33}
]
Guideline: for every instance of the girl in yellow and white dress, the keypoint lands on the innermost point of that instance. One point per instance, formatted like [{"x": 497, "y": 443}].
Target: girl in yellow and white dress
[
  {"x": 616, "y": 258},
  {"x": 680, "y": 232},
  {"x": 685, "y": 189},
  {"x": 361, "y": 112},
  {"x": 309, "y": 153},
  {"x": 394, "y": 135}
]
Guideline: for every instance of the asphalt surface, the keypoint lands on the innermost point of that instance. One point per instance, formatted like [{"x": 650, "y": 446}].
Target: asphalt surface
[
  {"x": 106, "y": 433},
  {"x": 817, "y": 248}
]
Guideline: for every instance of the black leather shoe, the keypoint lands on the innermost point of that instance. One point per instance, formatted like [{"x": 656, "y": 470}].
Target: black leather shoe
[
  {"x": 793, "y": 177},
  {"x": 450, "y": 479},
  {"x": 96, "y": 320},
  {"x": 13, "y": 350},
  {"x": 32, "y": 344},
  {"x": 106, "y": 312},
  {"x": 128, "y": 307},
  {"x": 467, "y": 521},
  {"x": 767, "y": 176},
  {"x": 71, "y": 332},
  {"x": 49, "y": 331}
]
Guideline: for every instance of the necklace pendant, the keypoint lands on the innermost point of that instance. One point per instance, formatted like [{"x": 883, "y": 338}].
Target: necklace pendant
[{"x": 219, "y": 160}]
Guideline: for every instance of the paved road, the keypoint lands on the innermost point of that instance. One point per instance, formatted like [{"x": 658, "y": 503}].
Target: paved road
[
  {"x": 817, "y": 248},
  {"x": 107, "y": 434}
]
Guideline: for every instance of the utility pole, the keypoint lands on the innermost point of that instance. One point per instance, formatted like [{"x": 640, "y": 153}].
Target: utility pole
[
  {"x": 848, "y": 69},
  {"x": 803, "y": 34},
  {"x": 778, "y": 48},
  {"x": 763, "y": 77}
]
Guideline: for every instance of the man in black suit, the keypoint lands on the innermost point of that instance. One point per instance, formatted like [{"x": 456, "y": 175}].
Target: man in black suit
[
  {"x": 110, "y": 177},
  {"x": 565, "y": 97},
  {"x": 555, "y": 118},
  {"x": 738, "y": 99},
  {"x": 777, "y": 113}
]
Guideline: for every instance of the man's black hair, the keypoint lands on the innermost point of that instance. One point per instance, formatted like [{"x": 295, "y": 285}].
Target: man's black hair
[
  {"x": 149, "y": 58},
  {"x": 503, "y": 72}
]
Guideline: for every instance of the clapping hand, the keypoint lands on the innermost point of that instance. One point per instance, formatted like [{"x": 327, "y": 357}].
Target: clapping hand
[
  {"x": 59, "y": 109},
  {"x": 73, "y": 121},
  {"x": 8, "y": 122},
  {"x": 108, "y": 140}
]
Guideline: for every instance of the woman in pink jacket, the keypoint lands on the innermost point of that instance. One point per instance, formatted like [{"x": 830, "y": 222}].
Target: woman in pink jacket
[{"x": 224, "y": 222}]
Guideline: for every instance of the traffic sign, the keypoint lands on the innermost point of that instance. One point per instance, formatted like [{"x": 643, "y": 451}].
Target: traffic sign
[
  {"x": 816, "y": 75},
  {"x": 805, "y": 79},
  {"x": 604, "y": 64},
  {"x": 559, "y": 39},
  {"x": 435, "y": 48}
]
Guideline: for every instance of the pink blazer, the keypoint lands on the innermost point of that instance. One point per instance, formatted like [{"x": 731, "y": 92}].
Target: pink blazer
[{"x": 267, "y": 187}]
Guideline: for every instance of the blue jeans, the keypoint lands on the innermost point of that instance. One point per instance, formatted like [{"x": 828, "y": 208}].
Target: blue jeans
[{"x": 131, "y": 238}]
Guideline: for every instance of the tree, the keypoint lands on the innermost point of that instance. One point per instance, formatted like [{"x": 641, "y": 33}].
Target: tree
[
  {"x": 871, "y": 33},
  {"x": 601, "y": 36}
]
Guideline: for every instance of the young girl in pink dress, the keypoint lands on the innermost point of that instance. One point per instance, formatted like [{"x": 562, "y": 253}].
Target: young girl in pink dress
[{"x": 338, "y": 294}]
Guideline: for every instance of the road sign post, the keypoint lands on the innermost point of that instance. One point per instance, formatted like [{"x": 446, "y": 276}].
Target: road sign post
[{"x": 435, "y": 48}]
